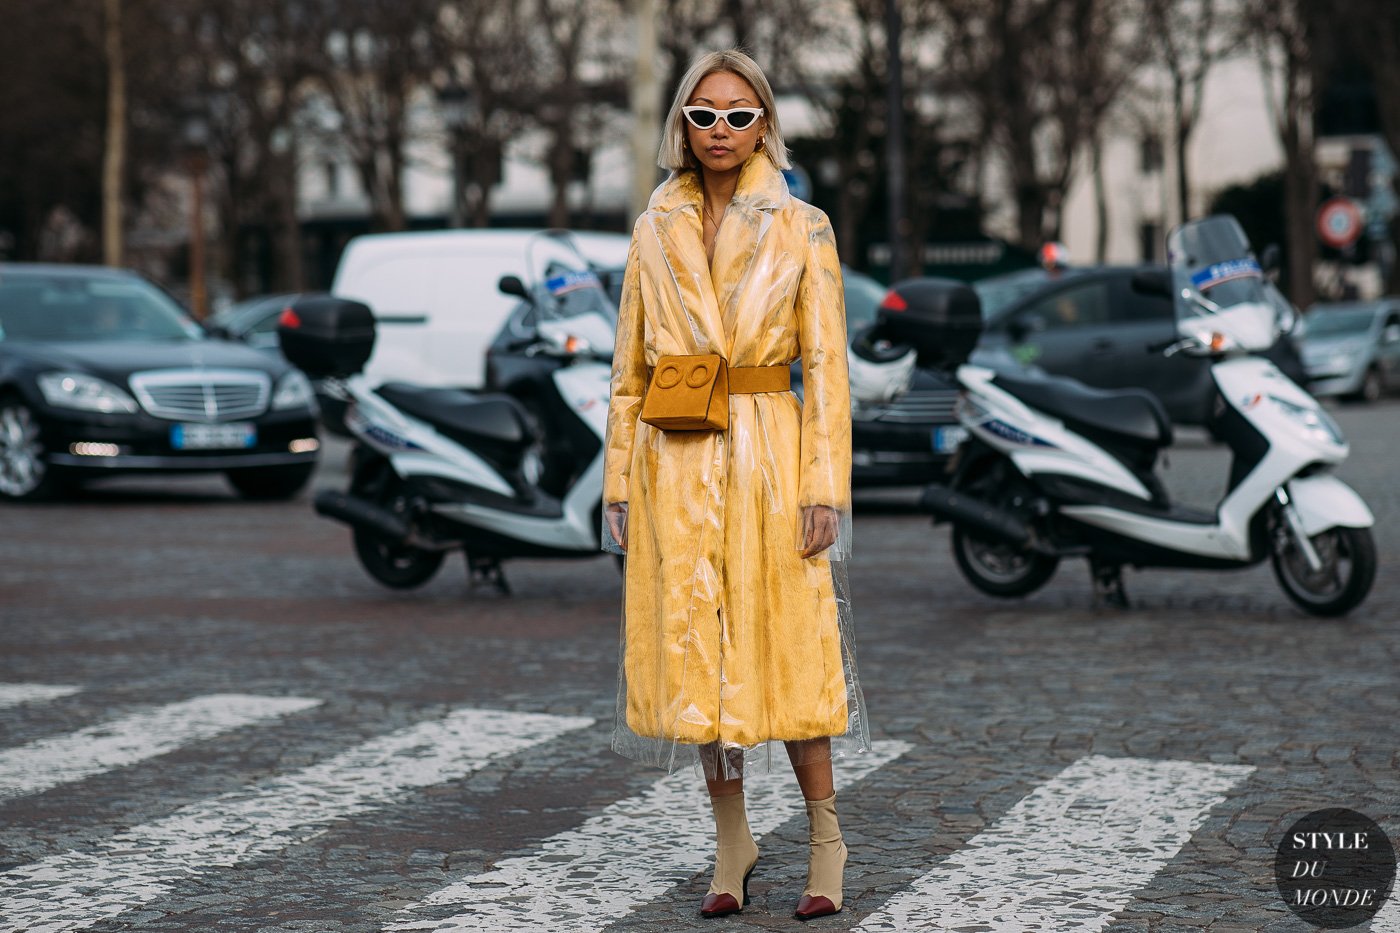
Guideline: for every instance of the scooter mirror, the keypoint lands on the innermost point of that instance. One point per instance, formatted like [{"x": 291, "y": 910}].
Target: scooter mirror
[
  {"x": 1269, "y": 259},
  {"x": 511, "y": 285}
]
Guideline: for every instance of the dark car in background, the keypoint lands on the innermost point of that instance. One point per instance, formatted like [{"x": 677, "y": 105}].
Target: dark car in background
[
  {"x": 904, "y": 441},
  {"x": 101, "y": 372},
  {"x": 1095, "y": 324},
  {"x": 254, "y": 321},
  {"x": 909, "y": 439}
]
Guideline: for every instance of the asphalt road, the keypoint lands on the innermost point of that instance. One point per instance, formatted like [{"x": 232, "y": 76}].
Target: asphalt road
[{"x": 211, "y": 718}]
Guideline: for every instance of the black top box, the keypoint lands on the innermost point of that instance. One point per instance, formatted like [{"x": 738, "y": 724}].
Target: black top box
[
  {"x": 327, "y": 336},
  {"x": 939, "y": 318}
]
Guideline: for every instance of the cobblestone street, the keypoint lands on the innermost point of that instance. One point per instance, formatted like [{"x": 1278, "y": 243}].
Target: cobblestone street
[{"x": 212, "y": 719}]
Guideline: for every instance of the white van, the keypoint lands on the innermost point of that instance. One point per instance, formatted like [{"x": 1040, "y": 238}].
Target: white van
[{"x": 435, "y": 299}]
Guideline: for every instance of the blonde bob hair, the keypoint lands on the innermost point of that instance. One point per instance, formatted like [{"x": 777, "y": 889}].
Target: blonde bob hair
[{"x": 673, "y": 155}]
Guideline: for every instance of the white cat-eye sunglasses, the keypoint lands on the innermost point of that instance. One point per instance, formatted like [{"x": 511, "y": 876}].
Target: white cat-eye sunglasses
[{"x": 738, "y": 118}]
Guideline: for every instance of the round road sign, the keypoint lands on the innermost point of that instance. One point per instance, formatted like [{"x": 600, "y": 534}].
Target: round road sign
[{"x": 1339, "y": 222}]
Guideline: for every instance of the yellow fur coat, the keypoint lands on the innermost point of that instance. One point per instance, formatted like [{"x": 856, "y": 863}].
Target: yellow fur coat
[{"x": 729, "y": 633}]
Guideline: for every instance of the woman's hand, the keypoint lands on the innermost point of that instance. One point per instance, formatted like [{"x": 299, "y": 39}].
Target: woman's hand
[
  {"x": 616, "y": 513},
  {"x": 819, "y": 524}
]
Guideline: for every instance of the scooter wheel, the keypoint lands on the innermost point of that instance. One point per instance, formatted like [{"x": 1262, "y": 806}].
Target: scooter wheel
[
  {"x": 999, "y": 569},
  {"x": 399, "y": 566},
  {"x": 1348, "y": 569},
  {"x": 395, "y": 565}
]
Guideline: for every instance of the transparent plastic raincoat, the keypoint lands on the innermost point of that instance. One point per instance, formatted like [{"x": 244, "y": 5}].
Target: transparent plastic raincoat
[{"x": 730, "y": 638}]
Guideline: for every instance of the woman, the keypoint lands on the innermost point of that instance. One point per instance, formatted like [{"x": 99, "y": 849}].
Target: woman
[{"x": 736, "y": 625}]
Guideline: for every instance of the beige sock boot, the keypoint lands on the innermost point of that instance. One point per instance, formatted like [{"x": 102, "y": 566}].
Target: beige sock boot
[
  {"x": 735, "y": 856},
  {"x": 826, "y": 864}
]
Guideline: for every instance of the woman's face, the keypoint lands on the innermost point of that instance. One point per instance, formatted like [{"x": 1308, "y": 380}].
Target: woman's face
[{"x": 720, "y": 148}]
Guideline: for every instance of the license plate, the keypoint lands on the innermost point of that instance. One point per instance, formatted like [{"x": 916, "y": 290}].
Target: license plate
[
  {"x": 213, "y": 436},
  {"x": 947, "y": 438}
]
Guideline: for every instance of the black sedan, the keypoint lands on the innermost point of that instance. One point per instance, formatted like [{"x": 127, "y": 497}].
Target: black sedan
[
  {"x": 101, "y": 372},
  {"x": 1096, "y": 324}
]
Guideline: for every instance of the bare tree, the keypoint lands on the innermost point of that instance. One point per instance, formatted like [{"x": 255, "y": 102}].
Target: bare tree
[
  {"x": 247, "y": 62},
  {"x": 482, "y": 45},
  {"x": 375, "y": 57},
  {"x": 1040, "y": 75},
  {"x": 1189, "y": 37},
  {"x": 1293, "y": 53},
  {"x": 114, "y": 153},
  {"x": 572, "y": 107},
  {"x": 850, "y": 157},
  {"x": 853, "y": 107}
]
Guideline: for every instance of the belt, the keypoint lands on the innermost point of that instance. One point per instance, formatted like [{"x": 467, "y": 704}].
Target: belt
[{"x": 760, "y": 378}]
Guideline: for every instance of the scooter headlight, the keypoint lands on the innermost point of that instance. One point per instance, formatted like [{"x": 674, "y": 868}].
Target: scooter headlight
[{"x": 1314, "y": 421}]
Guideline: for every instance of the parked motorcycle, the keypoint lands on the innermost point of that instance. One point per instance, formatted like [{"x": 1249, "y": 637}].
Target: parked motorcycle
[
  {"x": 1055, "y": 469},
  {"x": 436, "y": 469}
]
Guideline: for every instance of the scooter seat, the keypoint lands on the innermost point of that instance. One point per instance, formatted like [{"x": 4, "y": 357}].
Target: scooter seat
[
  {"x": 494, "y": 421},
  {"x": 1134, "y": 415}
]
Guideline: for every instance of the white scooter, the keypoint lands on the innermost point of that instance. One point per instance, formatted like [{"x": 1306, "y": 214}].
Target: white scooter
[
  {"x": 1057, "y": 469},
  {"x": 437, "y": 469}
]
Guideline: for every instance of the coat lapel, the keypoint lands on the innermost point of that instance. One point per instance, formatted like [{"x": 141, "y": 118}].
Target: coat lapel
[
  {"x": 761, "y": 188},
  {"x": 693, "y": 322},
  {"x": 711, "y": 295}
]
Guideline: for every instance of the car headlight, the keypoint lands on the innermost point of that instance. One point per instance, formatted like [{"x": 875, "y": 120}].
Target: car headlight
[
  {"x": 1314, "y": 421},
  {"x": 84, "y": 392},
  {"x": 293, "y": 391}
]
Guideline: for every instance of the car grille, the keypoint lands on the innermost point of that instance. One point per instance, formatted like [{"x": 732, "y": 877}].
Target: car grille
[
  {"x": 202, "y": 394},
  {"x": 929, "y": 406}
]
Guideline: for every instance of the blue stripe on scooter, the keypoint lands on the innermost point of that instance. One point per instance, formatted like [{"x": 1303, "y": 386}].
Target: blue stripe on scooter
[{"x": 1014, "y": 435}]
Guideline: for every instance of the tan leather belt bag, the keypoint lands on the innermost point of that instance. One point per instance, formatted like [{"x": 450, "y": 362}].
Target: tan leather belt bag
[{"x": 690, "y": 392}]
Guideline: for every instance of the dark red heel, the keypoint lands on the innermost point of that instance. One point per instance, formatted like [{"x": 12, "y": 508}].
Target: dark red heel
[{"x": 719, "y": 905}]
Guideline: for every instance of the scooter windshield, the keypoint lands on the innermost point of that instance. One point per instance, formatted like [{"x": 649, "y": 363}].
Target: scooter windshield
[
  {"x": 568, "y": 297},
  {"x": 1211, "y": 263}
]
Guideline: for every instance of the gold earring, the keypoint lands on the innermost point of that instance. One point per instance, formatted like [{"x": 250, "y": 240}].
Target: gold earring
[{"x": 760, "y": 142}]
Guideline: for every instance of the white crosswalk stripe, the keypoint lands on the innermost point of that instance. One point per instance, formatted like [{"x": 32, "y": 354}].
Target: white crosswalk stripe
[
  {"x": 47, "y": 763},
  {"x": 1066, "y": 857},
  {"x": 1070, "y": 853},
  {"x": 630, "y": 853},
  {"x": 15, "y": 694},
  {"x": 74, "y": 890}
]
